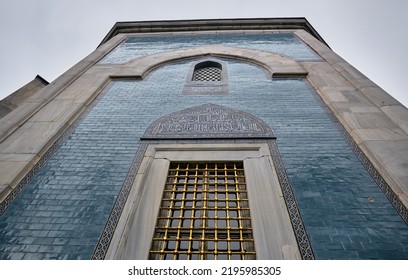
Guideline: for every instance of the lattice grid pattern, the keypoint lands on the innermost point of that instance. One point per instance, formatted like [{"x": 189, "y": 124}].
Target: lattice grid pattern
[
  {"x": 207, "y": 74},
  {"x": 204, "y": 214}
]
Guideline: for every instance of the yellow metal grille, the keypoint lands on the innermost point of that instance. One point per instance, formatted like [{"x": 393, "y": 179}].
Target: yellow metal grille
[{"x": 204, "y": 214}]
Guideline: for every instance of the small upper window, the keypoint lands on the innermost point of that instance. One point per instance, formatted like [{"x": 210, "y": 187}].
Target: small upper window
[
  {"x": 207, "y": 71},
  {"x": 207, "y": 77}
]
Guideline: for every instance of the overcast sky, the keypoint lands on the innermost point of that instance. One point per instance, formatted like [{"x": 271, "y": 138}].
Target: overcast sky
[{"x": 47, "y": 37}]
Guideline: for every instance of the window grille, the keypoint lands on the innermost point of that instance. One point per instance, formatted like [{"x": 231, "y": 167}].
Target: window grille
[
  {"x": 208, "y": 77},
  {"x": 207, "y": 71},
  {"x": 204, "y": 214},
  {"x": 207, "y": 74}
]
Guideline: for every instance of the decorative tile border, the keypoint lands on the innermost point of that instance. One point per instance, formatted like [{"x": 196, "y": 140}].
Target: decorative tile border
[
  {"x": 30, "y": 175},
  {"x": 381, "y": 183},
  {"x": 110, "y": 227},
  {"x": 379, "y": 180},
  {"x": 290, "y": 200},
  {"x": 47, "y": 155}
]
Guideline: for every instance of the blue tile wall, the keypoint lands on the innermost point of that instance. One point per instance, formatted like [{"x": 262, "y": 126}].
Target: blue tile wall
[
  {"x": 62, "y": 212},
  {"x": 286, "y": 44}
]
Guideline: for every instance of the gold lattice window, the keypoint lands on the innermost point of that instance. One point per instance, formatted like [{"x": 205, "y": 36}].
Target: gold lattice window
[{"x": 204, "y": 214}]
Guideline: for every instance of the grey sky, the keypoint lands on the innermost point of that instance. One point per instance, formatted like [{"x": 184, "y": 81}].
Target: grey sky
[{"x": 47, "y": 37}]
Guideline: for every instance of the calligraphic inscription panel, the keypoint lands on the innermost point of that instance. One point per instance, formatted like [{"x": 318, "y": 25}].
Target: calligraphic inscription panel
[{"x": 208, "y": 121}]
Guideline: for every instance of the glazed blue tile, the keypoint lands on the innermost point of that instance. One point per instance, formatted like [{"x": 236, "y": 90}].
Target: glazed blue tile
[
  {"x": 336, "y": 254},
  {"x": 285, "y": 44},
  {"x": 72, "y": 196},
  {"x": 11, "y": 256},
  {"x": 331, "y": 246}
]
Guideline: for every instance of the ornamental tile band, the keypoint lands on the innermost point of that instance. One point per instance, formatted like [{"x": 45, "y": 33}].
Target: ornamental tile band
[
  {"x": 371, "y": 170},
  {"x": 47, "y": 155},
  {"x": 290, "y": 200},
  {"x": 110, "y": 227}
]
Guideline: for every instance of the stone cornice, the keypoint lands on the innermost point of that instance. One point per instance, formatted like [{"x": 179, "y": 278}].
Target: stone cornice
[{"x": 212, "y": 25}]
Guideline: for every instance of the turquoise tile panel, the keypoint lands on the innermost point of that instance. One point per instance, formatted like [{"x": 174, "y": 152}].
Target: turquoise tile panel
[
  {"x": 62, "y": 212},
  {"x": 286, "y": 44}
]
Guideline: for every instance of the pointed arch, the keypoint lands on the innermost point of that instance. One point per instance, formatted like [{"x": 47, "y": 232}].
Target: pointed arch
[{"x": 275, "y": 64}]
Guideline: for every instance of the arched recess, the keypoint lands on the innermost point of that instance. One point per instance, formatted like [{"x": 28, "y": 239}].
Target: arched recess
[
  {"x": 208, "y": 133},
  {"x": 207, "y": 76},
  {"x": 276, "y": 65}
]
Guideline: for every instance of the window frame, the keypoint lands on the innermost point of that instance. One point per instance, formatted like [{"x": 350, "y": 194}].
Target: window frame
[
  {"x": 192, "y": 87},
  {"x": 267, "y": 206}
]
